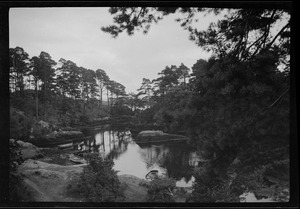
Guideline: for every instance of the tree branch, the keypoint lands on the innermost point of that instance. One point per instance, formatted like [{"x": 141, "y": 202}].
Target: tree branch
[
  {"x": 274, "y": 39},
  {"x": 268, "y": 28},
  {"x": 265, "y": 35},
  {"x": 255, "y": 42}
]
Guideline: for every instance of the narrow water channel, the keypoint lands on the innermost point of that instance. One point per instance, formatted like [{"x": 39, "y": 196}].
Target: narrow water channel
[{"x": 174, "y": 160}]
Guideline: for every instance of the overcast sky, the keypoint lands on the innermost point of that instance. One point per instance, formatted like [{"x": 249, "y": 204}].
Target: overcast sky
[{"x": 74, "y": 34}]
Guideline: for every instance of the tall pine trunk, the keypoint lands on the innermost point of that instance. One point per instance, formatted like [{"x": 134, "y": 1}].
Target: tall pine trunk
[
  {"x": 112, "y": 100},
  {"x": 84, "y": 103},
  {"x": 107, "y": 97},
  {"x": 45, "y": 102},
  {"x": 36, "y": 100},
  {"x": 101, "y": 91}
]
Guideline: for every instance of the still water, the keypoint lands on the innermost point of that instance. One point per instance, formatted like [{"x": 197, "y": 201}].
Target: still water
[{"x": 174, "y": 160}]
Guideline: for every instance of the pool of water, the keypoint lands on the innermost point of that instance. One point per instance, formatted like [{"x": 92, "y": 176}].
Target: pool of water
[{"x": 174, "y": 160}]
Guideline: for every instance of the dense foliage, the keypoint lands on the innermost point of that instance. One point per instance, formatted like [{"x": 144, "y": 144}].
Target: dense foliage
[{"x": 98, "y": 182}]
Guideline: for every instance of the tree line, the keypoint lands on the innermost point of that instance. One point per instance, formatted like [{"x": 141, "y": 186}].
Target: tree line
[{"x": 55, "y": 86}]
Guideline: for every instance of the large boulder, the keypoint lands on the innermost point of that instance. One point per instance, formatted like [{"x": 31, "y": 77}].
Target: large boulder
[{"x": 29, "y": 151}]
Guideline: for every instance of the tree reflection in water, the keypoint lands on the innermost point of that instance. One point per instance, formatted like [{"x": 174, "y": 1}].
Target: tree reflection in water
[
  {"x": 107, "y": 143},
  {"x": 175, "y": 160}
]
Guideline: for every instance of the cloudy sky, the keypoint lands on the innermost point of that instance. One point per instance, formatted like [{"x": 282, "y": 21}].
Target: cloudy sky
[{"x": 74, "y": 34}]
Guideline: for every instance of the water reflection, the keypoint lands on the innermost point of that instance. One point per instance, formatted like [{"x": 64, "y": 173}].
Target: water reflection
[
  {"x": 174, "y": 160},
  {"x": 112, "y": 143}
]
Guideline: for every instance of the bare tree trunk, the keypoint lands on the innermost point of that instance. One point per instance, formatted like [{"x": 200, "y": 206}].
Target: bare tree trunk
[
  {"x": 101, "y": 92},
  {"x": 36, "y": 101},
  {"x": 99, "y": 98},
  {"x": 102, "y": 136},
  {"x": 112, "y": 101},
  {"x": 18, "y": 81},
  {"x": 107, "y": 97},
  {"x": 45, "y": 103},
  {"x": 22, "y": 85},
  {"x": 84, "y": 103}
]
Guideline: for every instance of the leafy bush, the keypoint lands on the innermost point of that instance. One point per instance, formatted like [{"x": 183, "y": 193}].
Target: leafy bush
[
  {"x": 161, "y": 189},
  {"x": 98, "y": 182}
]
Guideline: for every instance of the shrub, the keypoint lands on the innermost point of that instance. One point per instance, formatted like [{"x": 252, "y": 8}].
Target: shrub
[
  {"x": 161, "y": 189},
  {"x": 98, "y": 182}
]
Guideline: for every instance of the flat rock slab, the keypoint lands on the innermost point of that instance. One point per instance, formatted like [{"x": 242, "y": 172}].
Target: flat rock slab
[{"x": 48, "y": 182}]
